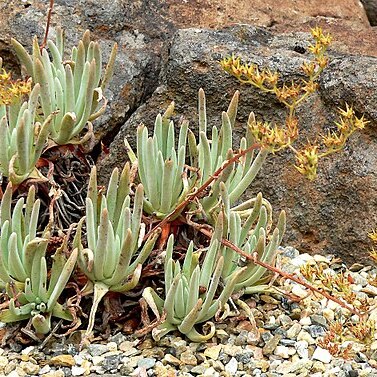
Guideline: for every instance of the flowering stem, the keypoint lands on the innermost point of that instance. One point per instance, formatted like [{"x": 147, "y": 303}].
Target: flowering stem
[{"x": 44, "y": 43}]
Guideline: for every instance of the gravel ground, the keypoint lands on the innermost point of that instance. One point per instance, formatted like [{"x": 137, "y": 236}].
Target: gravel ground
[{"x": 290, "y": 341}]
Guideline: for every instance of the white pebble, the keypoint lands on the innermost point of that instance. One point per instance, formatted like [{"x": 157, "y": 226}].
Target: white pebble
[
  {"x": 298, "y": 291},
  {"x": 305, "y": 321},
  {"x": 232, "y": 366},
  {"x": 282, "y": 351},
  {"x": 77, "y": 371},
  {"x": 322, "y": 354}
]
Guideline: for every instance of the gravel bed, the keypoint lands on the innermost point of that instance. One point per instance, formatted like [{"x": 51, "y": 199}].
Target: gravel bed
[{"x": 289, "y": 341}]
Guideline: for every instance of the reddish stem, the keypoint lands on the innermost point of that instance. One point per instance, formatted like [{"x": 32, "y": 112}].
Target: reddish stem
[
  {"x": 285, "y": 275},
  {"x": 190, "y": 197},
  {"x": 44, "y": 43}
]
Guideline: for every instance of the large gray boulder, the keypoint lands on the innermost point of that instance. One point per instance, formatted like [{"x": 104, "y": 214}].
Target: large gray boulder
[{"x": 332, "y": 214}]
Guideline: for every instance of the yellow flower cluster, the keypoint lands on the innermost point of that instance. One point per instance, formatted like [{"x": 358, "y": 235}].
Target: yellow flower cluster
[
  {"x": 307, "y": 161},
  {"x": 250, "y": 73},
  {"x": 347, "y": 125},
  {"x": 274, "y": 138},
  {"x": 12, "y": 90}
]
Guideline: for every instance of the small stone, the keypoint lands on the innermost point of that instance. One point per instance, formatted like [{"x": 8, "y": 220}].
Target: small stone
[
  {"x": 28, "y": 350},
  {"x": 211, "y": 372},
  {"x": 358, "y": 279},
  {"x": 274, "y": 364},
  {"x": 302, "y": 349},
  {"x": 213, "y": 352},
  {"x": 282, "y": 351},
  {"x": 353, "y": 373},
  {"x": 270, "y": 346},
  {"x": 30, "y": 368},
  {"x": 221, "y": 334},
  {"x": 287, "y": 342},
  {"x": 302, "y": 259},
  {"x": 318, "y": 366},
  {"x": 294, "y": 368},
  {"x": 328, "y": 314},
  {"x": 118, "y": 338},
  {"x": 11, "y": 365},
  {"x": 3, "y": 361},
  {"x": 188, "y": 358},
  {"x": 199, "y": 369},
  {"x": 316, "y": 331},
  {"x": 128, "y": 348},
  {"x": 245, "y": 357},
  {"x": 290, "y": 252},
  {"x": 77, "y": 371},
  {"x": 147, "y": 363},
  {"x": 305, "y": 321},
  {"x": 63, "y": 360},
  {"x": 45, "y": 369},
  {"x": 298, "y": 291},
  {"x": 17, "y": 373},
  {"x": 232, "y": 350},
  {"x": 293, "y": 331},
  {"x": 97, "y": 349},
  {"x": 232, "y": 366},
  {"x": 78, "y": 359},
  {"x": 97, "y": 360},
  {"x": 304, "y": 335},
  {"x": 112, "y": 346},
  {"x": 285, "y": 320},
  {"x": 257, "y": 353},
  {"x": 370, "y": 290},
  {"x": 53, "y": 373},
  {"x": 263, "y": 365},
  {"x": 329, "y": 304},
  {"x": 322, "y": 354},
  {"x": 319, "y": 320},
  {"x": 243, "y": 338},
  {"x": 321, "y": 258},
  {"x": 172, "y": 359},
  {"x": 356, "y": 267},
  {"x": 163, "y": 371},
  {"x": 112, "y": 361}
]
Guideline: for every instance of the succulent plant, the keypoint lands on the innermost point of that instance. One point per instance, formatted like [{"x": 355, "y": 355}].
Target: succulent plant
[
  {"x": 23, "y": 267},
  {"x": 72, "y": 88},
  {"x": 23, "y": 138},
  {"x": 37, "y": 298},
  {"x": 17, "y": 235},
  {"x": 208, "y": 155},
  {"x": 111, "y": 260},
  {"x": 251, "y": 235},
  {"x": 191, "y": 292},
  {"x": 161, "y": 166}
]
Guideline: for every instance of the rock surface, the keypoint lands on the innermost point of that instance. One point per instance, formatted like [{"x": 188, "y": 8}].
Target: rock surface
[
  {"x": 334, "y": 213},
  {"x": 371, "y": 10},
  {"x": 160, "y": 60}
]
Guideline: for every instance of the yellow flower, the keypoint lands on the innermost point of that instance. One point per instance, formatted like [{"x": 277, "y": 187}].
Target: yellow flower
[
  {"x": 373, "y": 235},
  {"x": 347, "y": 113},
  {"x": 307, "y": 161}
]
